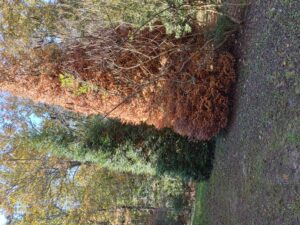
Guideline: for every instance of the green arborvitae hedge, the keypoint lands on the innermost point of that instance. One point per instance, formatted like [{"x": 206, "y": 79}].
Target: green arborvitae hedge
[{"x": 139, "y": 149}]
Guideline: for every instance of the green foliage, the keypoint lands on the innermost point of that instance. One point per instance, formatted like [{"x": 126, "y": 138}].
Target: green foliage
[
  {"x": 53, "y": 190},
  {"x": 176, "y": 15},
  {"x": 199, "y": 216},
  {"x": 78, "y": 87},
  {"x": 223, "y": 25},
  {"x": 137, "y": 149},
  {"x": 294, "y": 139},
  {"x": 56, "y": 190},
  {"x": 177, "y": 19},
  {"x": 67, "y": 80},
  {"x": 24, "y": 23},
  {"x": 66, "y": 18},
  {"x": 83, "y": 89}
]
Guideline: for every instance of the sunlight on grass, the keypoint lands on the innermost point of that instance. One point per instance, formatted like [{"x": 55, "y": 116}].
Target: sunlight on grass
[{"x": 199, "y": 215}]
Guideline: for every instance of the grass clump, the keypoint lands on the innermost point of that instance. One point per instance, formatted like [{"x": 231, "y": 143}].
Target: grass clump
[
  {"x": 224, "y": 26},
  {"x": 199, "y": 216}
]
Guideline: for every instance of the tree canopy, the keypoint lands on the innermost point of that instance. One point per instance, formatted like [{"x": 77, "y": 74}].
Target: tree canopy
[{"x": 38, "y": 188}]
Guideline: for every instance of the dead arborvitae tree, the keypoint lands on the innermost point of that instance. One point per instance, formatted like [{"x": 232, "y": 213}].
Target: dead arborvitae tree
[{"x": 139, "y": 74}]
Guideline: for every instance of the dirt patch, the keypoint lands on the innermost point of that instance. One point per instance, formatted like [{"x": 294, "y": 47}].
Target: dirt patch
[{"x": 256, "y": 176}]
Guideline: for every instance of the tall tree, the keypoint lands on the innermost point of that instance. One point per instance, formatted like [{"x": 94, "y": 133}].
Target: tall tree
[
  {"x": 91, "y": 62},
  {"x": 127, "y": 148}
]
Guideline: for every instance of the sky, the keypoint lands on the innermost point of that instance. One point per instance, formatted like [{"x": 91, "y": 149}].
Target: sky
[{"x": 3, "y": 220}]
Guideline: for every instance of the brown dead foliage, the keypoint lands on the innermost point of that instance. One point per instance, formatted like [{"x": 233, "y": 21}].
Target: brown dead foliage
[
  {"x": 198, "y": 106},
  {"x": 182, "y": 83}
]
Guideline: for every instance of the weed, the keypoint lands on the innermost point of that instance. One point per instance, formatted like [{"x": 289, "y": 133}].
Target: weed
[
  {"x": 290, "y": 74},
  {"x": 293, "y": 139},
  {"x": 78, "y": 87},
  {"x": 295, "y": 206},
  {"x": 67, "y": 80},
  {"x": 223, "y": 26}
]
